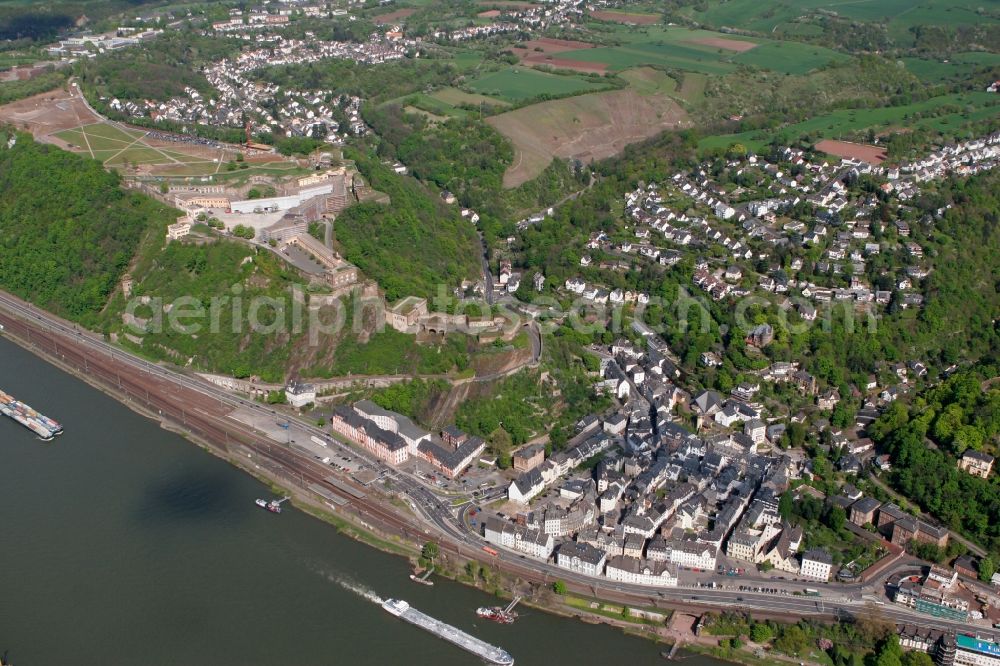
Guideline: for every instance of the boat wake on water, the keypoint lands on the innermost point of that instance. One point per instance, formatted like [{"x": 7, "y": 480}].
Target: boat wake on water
[{"x": 355, "y": 587}]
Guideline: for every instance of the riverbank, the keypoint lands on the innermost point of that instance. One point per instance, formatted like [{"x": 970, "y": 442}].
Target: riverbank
[
  {"x": 201, "y": 419},
  {"x": 348, "y": 523},
  {"x": 127, "y": 545}
]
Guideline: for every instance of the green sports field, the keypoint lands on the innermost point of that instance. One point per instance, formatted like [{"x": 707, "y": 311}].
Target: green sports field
[{"x": 117, "y": 146}]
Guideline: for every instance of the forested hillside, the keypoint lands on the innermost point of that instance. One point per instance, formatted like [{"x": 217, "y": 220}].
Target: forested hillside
[
  {"x": 461, "y": 155},
  {"x": 67, "y": 228},
  {"x": 411, "y": 246},
  {"x": 387, "y": 81},
  {"x": 158, "y": 70},
  {"x": 469, "y": 157},
  {"x": 925, "y": 441},
  {"x": 209, "y": 271},
  {"x": 14, "y": 90}
]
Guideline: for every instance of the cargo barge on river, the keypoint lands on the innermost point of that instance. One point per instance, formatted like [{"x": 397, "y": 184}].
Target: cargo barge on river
[
  {"x": 41, "y": 425},
  {"x": 489, "y": 653}
]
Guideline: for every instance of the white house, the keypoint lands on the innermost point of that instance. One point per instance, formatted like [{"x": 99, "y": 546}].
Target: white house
[
  {"x": 816, "y": 565},
  {"x": 299, "y": 394},
  {"x": 727, "y": 416},
  {"x": 535, "y": 543},
  {"x": 641, "y": 572},
  {"x": 178, "y": 230},
  {"x": 756, "y": 430},
  {"x": 526, "y": 486},
  {"x": 693, "y": 555},
  {"x": 532, "y": 542},
  {"x": 581, "y": 558}
]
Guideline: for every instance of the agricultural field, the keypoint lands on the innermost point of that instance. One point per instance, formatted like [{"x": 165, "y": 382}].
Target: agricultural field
[
  {"x": 898, "y": 15},
  {"x": 628, "y": 18},
  {"x": 465, "y": 59},
  {"x": 843, "y": 123},
  {"x": 456, "y": 97},
  {"x": 702, "y": 51},
  {"x": 546, "y": 51},
  {"x": 859, "y": 151},
  {"x": 13, "y": 60},
  {"x": 517, "y": 84},
  {"x": 788, "y": 57},
  {"x": 429, "y": 104},
  {"x": 432, "y": 117},
  {"x": 394, "y": 17},
  {"x": 585, "y": 127},
  {"x": 440, "y": 105},
  {"x": 507, "y": 4},
  {"x": 956, "y": 67},
  {"x": 649, "y": 81},
  {"x": 692, "y": 88}
]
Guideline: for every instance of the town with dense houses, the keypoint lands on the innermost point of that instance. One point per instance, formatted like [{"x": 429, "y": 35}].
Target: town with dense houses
[
  {"x": 311, "y": 113},
  {"x": 665, "y": 502},
  {"x": 733, "y": 233}
]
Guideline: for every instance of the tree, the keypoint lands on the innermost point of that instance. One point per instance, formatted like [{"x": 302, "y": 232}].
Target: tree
[
  {"x": 501, "y": 444},
  {"x": 796, "y": 434},
  {"x": 835, "y": 518},
  {"x": 472, "y": 569},
  {"x": 915, "y": 658},
  {"x": 886, "y": 659},
  {"x": 872, "y": 626},
  {"x": 786, "y": 506},
  {"x": 241, "y": 231},
  {"x": 68, "y": 237},
  {"x": 987, "y": 567},
  {"x": 792, "y": 640},
  {"x": 559, "y": 587},
  {"x": 761, "y": 633},
  {"x": 430, "y": 551},
  {"x": 889, "y": 652}
]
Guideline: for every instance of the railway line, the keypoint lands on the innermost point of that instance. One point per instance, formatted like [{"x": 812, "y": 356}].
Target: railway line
[{"x": 192, "y": 405}]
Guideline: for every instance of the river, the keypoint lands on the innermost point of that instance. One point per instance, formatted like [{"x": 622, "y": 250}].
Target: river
[{"x": 126, "y": 544}]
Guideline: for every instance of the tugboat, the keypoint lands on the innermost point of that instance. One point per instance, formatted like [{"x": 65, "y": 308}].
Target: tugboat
[{"x": 497, "y": 614}]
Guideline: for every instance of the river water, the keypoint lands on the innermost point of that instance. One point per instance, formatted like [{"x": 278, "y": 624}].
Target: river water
[{"x": 125, "y": 544}]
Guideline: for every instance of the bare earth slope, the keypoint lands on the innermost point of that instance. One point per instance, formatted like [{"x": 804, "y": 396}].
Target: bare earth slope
[{"x": 586, "y": 127}]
